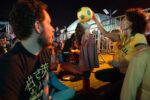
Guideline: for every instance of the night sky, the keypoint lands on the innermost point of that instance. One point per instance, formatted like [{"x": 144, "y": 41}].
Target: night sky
[{"x": 63, "y": 12}]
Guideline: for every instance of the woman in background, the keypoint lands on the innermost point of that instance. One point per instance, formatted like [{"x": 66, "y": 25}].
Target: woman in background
[{"x": 88, "y": 58}]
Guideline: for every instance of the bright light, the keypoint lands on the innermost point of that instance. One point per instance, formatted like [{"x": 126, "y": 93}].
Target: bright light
[
  {"x": 105, "y": 11},
  {"x": 114, "y": 12}
]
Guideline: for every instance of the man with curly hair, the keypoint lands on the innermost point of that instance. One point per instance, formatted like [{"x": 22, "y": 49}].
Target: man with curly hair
[
  {"x": 24, "y": 71},
  {"x": 131, "y": 41}
]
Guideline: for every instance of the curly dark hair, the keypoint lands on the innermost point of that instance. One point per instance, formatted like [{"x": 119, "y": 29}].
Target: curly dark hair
[
  {"x": 23, "y": 16},
  {"x": 138, "y": 18},
  {"x": 79, "y": 31}
]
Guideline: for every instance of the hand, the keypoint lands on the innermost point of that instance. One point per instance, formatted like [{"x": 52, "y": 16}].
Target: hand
[
  {"x": 124, "y": 65},
  {"x": 94, "y": 17},
  {"x": 114, "y": 64},
  {"x": 77, "y": 71},
  {"x": 123, "y": 69}
]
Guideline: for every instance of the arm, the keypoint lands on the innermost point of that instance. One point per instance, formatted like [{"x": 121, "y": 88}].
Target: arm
[
  {"x": 70, "y": 68},
  {"x": 133, "y": 78},
  {"x": 55, "y": 82},
  {"x": 54, "y": 62},
  {"x": 114, "y": 37}
]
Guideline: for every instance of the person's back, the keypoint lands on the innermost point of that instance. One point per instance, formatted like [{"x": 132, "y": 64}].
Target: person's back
[
  {"x": 137, "y": 81},
  {"x": 67, "y": 48},
  {"x": 67, "y": 45},
  {"x": 145, "y": 86},
  {"x": 88, "y": 54}
]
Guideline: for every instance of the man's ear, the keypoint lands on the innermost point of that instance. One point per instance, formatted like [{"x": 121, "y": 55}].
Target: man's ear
[{"x": 37, "y": 27}]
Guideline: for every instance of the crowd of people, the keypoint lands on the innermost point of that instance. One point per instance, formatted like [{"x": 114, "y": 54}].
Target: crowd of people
[{"x": 26, "y": 68}]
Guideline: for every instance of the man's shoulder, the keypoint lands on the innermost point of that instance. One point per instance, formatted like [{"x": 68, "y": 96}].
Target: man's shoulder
[
  {"x": 143, "y": 54},
  {"x": 10, "y": 58},
  {"x": 9, "y": 55},
  {"x": 7, "y": 59}
]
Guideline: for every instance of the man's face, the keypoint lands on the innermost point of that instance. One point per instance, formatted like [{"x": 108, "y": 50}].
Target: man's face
[
  {"x": 125, "y": 24},
  {"x": 47, "y": 31}
]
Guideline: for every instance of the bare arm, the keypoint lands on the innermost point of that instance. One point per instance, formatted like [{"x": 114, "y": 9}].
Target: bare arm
[
  {"x": 114, "y": 37},
  {"x": 70, "y": 68}
]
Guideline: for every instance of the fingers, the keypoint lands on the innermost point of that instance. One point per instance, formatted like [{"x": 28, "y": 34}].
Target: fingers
[{"x": 93, "y": 17}]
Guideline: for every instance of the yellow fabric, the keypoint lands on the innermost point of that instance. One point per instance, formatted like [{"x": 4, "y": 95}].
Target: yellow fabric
[{"x": 128, "y": 48}]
